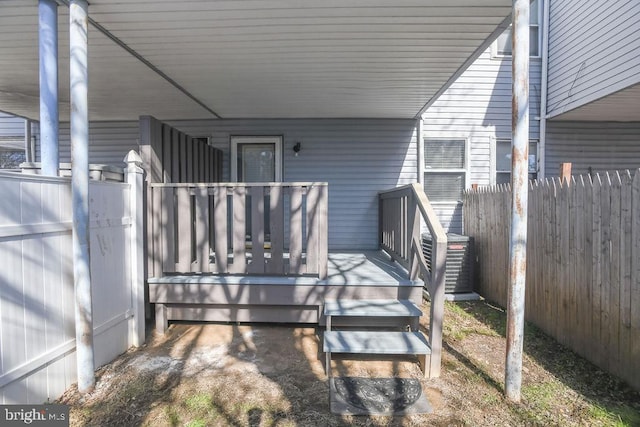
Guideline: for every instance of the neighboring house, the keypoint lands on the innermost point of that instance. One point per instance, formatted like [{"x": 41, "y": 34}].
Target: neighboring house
[
  {"x": 12, "y": 141},
  {"x": 593, "y": 102},
  {"x": 589, "y": 51}
]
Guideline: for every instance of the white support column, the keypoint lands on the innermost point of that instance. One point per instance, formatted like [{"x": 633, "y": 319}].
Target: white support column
[
  {"x": 78, "y": 42},
  {"x": 135, "y": 178},
  {"x": 520, "y": 193},
  {"x": 48, "y": 52}
]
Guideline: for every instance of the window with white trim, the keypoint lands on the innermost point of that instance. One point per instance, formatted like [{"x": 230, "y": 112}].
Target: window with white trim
[
  {"x": 445, "y": 169},
  {"x": 502, "y": 45},
  {"x": 503, "y": 160}
]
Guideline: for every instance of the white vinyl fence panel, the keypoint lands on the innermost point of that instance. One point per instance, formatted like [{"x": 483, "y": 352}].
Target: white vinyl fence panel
[{"x": 37, "y": 324}]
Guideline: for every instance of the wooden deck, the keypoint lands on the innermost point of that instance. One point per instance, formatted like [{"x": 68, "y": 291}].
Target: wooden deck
[{"x": 298, "y": 299}]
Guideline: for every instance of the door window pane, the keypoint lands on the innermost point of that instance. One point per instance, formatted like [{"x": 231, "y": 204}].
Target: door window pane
[{"x": 256, "y": 162}]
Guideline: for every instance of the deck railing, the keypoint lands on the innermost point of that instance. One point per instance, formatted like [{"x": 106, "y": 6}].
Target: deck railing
[
  {"x": 239, "y": 228},
  {"x": 400, "y": 213}
]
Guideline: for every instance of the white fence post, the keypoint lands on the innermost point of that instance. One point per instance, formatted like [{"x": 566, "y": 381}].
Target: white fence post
[{"x": 134, "y": 177}]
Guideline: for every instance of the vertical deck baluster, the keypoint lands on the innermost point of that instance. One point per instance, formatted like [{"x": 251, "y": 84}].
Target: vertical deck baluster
[
  {"x": 220, "y": 221},
  {"x": 257, "y": 230},
  {"x": 312, "y": 229},
  {"x": 154, "y": 231},
  {"x": 202, "y": 229},
  {"x": 295, "y": 232},
  {"x": 275, "y": 264},
  {"x": 238, "y": 227},
  {"x": 185, "y": 238},
  {"x": 167, "y": 230}
]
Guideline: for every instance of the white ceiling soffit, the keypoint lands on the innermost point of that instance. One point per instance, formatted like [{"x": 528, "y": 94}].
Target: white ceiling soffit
[
  {"x": 254, "y": 58},
  {"x": 622, "y": 106}
]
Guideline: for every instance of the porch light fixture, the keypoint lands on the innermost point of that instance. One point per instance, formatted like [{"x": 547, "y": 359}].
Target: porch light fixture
[{"x": 296, "y": 148}]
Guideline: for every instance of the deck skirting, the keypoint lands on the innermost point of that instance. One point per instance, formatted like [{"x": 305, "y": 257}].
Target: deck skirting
[{"x": 280, "y": 298}]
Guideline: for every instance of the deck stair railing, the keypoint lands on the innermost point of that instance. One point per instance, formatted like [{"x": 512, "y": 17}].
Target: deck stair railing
[
  {"x": 400, "y": 212},
  {"x": 238, "y": 228}
]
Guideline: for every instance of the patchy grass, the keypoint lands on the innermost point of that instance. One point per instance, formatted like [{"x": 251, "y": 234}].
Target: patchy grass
[
  {"x": 559, "y": 387},
  {"x": 261, "y": 375}
]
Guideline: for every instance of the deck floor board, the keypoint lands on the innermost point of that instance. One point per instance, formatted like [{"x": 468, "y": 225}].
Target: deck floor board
[{"x": 372, "y": 268}]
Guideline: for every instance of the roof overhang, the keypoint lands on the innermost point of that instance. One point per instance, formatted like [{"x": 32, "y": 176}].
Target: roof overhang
[
  {"x": 254, "y": 58},
  {"x": 620, "y": 106}
]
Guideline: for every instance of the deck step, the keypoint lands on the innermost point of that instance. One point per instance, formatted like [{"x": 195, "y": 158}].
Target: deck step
[
  {"x": 375, "y": 342},
  {"x": 370, "y": 313},
  {"x": 371, "y": 308}
]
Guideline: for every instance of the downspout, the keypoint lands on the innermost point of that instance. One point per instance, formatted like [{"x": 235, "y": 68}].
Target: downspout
[
  {"x": 420, "y": 145},
  {"x": 544, "y": 88}
]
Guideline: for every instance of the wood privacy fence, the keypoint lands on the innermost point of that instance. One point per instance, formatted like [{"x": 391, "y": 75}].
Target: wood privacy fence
[
  {"x": 583, "y": 262},
  {"x": 239, "y": 228},
  {"x": 401, "y": 212},
  {"x": 37, "y": 323}
]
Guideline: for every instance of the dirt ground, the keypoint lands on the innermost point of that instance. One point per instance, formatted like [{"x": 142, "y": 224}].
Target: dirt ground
[{"x": 268, "y": 375}]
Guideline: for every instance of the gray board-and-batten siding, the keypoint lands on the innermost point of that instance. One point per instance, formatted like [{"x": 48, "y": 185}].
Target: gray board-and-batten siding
[{"x": 357, "y": 157}]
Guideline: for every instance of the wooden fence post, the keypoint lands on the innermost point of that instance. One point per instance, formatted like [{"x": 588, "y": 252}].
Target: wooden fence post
[{"x": 565, "y": 173}]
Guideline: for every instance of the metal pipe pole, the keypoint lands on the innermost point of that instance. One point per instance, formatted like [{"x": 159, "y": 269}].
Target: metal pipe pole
[
  {"x": 519, "y": 186},
  {"x": 48, "y": 52},
  {"x": 28, "y": 153},
  {"x": 78, "y": 42}
]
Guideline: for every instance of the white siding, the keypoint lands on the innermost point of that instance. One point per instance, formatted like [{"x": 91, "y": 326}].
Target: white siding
[
  {"x": 357, "y": 157},
  {"x": 593, "y": 51},
  {"x": 592, "y": 146},
  {"x": 477, "y": 107}
]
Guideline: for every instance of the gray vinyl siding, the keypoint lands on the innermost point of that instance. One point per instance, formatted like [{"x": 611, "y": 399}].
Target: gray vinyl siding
[
  {"x": 594, "y": 51},
  {"x": 357, "y": 157},
  {"x": 11, "y": 131},
  {"x": 109, "y": 142},
  {"x": 592, "y": 146},
  {"x": 11, "y": 125},
  {"x": 477, "y": 107}
]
